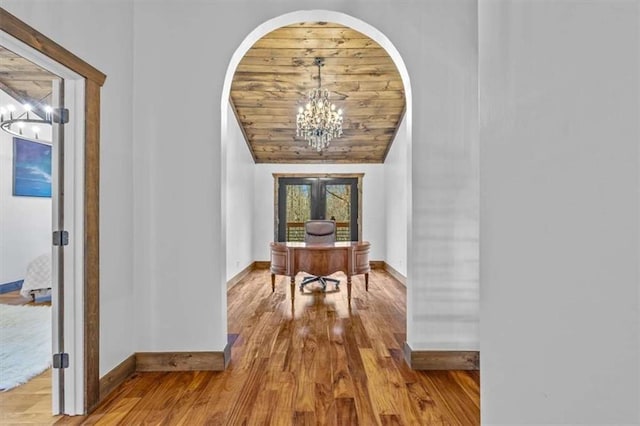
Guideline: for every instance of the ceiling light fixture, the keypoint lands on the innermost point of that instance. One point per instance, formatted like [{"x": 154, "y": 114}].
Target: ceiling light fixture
[
  {"x": 319, "y": 122},
  {"x": 26, "y": 124}
]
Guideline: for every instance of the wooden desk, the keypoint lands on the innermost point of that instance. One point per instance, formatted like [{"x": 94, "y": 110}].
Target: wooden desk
[{"x": 351, "y": 257}]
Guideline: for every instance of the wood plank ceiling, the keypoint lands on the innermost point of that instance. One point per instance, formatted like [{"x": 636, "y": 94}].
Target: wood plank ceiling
[
  {"x": 274, "y": 78},
  {"x": 25, "y": 81}
]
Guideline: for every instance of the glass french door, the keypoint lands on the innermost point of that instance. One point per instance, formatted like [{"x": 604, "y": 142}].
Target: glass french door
[{"x": 304, "y": 198}]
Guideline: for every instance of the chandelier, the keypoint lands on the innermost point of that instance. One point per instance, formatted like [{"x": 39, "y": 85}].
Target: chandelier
[
  {"x": 319, "y": 122},
  {"x": 25, "y": 124}
]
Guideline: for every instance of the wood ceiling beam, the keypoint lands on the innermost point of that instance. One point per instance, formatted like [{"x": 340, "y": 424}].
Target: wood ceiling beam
[
  {"x": 284, "y": 104},
  {"x": 22, "y": 98},
  {"x": 319, "y": 32},
  {"x": 312, "y": 53},
  {"x": 301, "y": 97},
  {"x": 328, "y": 70},
  {"x": 310, "y": 43},
  {"x": 262, "y": 113},
  {"x": 292, "y": 60}
]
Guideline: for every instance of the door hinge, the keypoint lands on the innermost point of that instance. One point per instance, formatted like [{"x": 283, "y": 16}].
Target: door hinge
[
  {"x": 61, "y": 360},
  {"x": 60, "y": 238},
  {"x": 60, "y": 115}
]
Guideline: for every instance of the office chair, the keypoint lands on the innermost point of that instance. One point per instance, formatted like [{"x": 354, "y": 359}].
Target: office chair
[{"x": 319, "y": 231}]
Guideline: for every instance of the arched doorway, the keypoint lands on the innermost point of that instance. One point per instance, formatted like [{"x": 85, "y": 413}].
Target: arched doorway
[{"x": 314, "y": 16}]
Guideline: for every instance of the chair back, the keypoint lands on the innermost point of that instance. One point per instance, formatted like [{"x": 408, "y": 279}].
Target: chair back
[{"x": 320, "y": 231}]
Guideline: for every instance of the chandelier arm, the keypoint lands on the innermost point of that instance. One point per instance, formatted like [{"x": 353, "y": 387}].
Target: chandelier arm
[{"x": 6, "y": 126}]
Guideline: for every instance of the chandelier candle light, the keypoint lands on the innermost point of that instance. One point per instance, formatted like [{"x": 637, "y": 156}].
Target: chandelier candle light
[
  {"x": 24, "y": 124},
  {"x": 319, "y": 122}
]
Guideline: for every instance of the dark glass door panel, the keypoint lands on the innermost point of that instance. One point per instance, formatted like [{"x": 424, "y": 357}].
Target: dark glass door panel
[
  {"x": 297, "y": 209},
  {"x": 341, "y": 204},
  {"x": 301, "y": 199}
]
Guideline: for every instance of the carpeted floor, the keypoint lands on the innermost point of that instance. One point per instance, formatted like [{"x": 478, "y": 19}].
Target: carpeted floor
[{"x": 25, "y": 343}]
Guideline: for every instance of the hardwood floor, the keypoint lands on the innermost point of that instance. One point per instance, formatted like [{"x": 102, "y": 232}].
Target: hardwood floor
[
  {"x": 314, "y": 361},
  {"x": 29, "y": 403}
]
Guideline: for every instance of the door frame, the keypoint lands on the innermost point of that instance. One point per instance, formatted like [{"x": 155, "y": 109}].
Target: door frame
[
  {"x": 88, "y": 167},
  {"x": 276, "y": 187}
]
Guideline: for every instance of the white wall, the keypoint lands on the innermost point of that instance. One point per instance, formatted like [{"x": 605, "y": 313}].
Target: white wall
[
  {"x": 442, "y": 290},
  {"x": 239, "y": 196},
  {"x": 101, "y": 33},
  {"x": 179, "y": 284},
  {"x": 395, "y": 200},
  {"x": 25, "y": 222},
  {"x": 181, "y": 187},
  {"x": 559, "y": 138},
  {"x": 373, "y": 203}
]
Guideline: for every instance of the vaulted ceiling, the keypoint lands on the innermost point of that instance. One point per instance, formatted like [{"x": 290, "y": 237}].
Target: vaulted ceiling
[
  {"x": 24, "y": 81},
  {"x": 274, "y": 78}
]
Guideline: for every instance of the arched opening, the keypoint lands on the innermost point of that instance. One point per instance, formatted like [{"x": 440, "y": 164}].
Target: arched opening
[{"x": 226, "y": 116}]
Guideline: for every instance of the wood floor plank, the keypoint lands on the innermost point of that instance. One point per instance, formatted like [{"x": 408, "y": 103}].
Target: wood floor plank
[
  {"x": 346, "y": 413},
  {"x": 390, "y": 420},
  {"x": 156, "y": 401},
  {"x": 304, "y": 418},
  {"x": 119, "y": 411},
  {"x": 281, "y": 345},
  {"x": 286, "y": 395},
  {"x": 29, "y": 403},
  {"x": 245, "y": 400},
  {"x": 342, "y": 382},
  {"x": 459, "y": 402},
  {"x": 469, "y": 384},
  {"x": 195, "y": 382},
  {"x": 206, "y": 406},
  {"x": 76, "y": 420},
  {"x": 421, "y": 405},
  {"x": 129, "y": 390},
  {"x": 265, "y": 406},
  {"x": 450, "y": 399},
  {"x": 376, "y": 379}
]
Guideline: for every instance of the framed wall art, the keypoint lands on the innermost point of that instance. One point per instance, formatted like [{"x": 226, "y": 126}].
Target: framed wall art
[{"x": 31, "y": 168}]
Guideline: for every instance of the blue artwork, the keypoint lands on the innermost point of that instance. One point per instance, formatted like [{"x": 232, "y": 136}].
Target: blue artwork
[{"x": 31, "y": 168}]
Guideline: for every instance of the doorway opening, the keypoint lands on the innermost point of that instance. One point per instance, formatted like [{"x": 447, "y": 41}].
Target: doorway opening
[
  {"x": 52, "y": 267},
  {"x": 274, "y": 149},
  {"x": 75, "y": 262},
  {"x": 28, "y": 196},
  {"x": 309, "y": 197}
]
